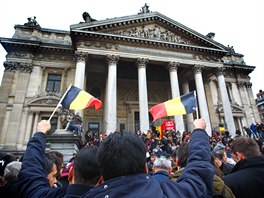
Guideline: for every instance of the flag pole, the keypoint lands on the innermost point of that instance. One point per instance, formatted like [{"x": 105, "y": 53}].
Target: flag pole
[
  {"x": 59, "y": 103},
  {"x": 197, "y": 112}
]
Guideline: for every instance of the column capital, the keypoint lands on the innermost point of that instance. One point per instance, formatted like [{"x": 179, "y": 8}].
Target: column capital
[
  {"x": 112, "y": 59},
  {"x": 248, "y": 85},
  {"x": 80, "y": 56},
  {"x": 142, "y": 62},
  {"x": 220, "y": 71},
  {"x": 198, "y": 68},
  {"x": 173, "y": 66},
  {"x": 240, "y": 84},
  {"x": 22, "y": 67}
]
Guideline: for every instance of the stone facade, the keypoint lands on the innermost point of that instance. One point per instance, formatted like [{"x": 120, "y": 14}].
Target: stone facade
[
  {"x": 130, "y": 63},
  {"x": 260, "y": 104}
]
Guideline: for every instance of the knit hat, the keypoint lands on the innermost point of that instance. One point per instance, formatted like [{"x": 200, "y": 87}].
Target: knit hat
[
  {"x": 219, "y": 147},
  {"x": 5, "y": 159}
]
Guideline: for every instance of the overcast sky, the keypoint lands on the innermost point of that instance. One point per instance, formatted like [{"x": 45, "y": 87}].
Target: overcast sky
[{"x": 238, "y": 23}]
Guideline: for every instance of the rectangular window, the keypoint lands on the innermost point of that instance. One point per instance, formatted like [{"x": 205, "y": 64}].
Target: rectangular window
[
  {"x": 53, "y": 83},
  {"x": 122, "y": 127}
]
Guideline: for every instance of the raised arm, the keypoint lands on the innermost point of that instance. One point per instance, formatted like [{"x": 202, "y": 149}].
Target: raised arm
[
  {"x": 32, "y": 178},
  {"x": 197, "y": 178}
]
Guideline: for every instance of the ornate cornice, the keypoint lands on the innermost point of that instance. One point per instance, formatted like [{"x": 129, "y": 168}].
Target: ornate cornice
[
  {"x": 105, "y": 36},
  {"x": 18, "y": 66},
  {"x": 173, "y": 66},
  {"x": 142, "y": 62},
  {"x": 198, "y": 68},
  {"x": 112, "y": 59}
]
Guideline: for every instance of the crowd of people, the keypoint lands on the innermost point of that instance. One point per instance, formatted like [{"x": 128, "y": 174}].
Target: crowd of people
[{"x": 125, "y": 164}]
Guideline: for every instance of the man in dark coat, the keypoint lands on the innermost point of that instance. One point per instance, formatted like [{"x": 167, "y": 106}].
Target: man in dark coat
[
  {"x": 122, "y": 159},
  {"x": 33, "y": 180},
  {"x": 246, "y": 179}
]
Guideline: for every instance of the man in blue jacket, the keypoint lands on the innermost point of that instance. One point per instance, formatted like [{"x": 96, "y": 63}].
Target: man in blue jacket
[
  {"x": 122, "y": 159},
  {"x": 33, "y": 180}
]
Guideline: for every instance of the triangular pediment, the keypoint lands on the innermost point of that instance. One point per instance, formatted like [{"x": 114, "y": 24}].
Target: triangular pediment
[{"x": 149, "y": 26}]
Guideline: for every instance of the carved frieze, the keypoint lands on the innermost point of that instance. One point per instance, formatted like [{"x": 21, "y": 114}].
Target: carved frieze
[
  {"x": 206, "y": 58},
  {"x": 152, "y": 32},
  {"x": 45, "y": 37},
  {"x": 233, "y": 60},
  {"x": 52, "y": 57},
  {"x": 101, "y": 45},
  {"x": 20, "y": 54}
]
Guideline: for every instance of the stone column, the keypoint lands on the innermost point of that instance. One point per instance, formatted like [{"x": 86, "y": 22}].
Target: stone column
[
  {"x": 253, "y": 103},
  {"x": 228, "y": 116},
  {"x": 175, "y": 92},
  {"x": 5, "y": 89},
  {"x": 22, "y": 131},
  {"x": 245, "y": 103},
  {"x": 36, "y": 120},
  {"x": 28, "y": 127},
  {"x": 105, "y": 106},
  {"x": 201, "y": 97},
  {"x": 19, "y": 87},
  {"x": 111, "y": 94},
  {"x": 143, "y": 94},
  {"x": 80, "y": 73},
  {"x": 189, "y": 117},
  {"x": 5, "y": 129}
]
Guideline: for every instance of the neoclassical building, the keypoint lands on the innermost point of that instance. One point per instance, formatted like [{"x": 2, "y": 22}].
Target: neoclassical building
[{"x": 130, "y": 63}]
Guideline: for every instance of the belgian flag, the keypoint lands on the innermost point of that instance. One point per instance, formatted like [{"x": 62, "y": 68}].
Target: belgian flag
[
  {"x": 77, "y": 99},
  {"x": 184, "y": 104}
]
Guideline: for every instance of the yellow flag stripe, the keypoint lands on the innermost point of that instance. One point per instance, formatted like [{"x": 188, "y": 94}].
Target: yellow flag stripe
[
  {"x": 81, "y": 100},
  {"x": 174, "y": 107}
]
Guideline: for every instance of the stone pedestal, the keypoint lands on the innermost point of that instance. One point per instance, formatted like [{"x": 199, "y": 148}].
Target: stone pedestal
[{"x": 65, "y": 142}]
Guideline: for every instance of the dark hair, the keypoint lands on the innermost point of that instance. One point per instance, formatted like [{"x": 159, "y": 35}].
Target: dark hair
[
  {"x": 121, "y": 153},
  {"x": 57, "y": 157},
  {"x": 182, "y": 154},
  {"x": 245, "y": 145},
  {"x": 48, "y": 165},
  {"x": 219, "y": 154},
  {"x": 218, "y": 171},
  {"x": 86, "y": 169}
]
